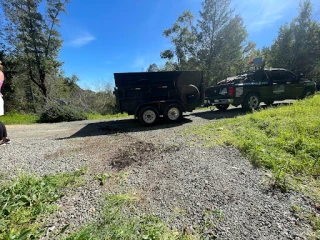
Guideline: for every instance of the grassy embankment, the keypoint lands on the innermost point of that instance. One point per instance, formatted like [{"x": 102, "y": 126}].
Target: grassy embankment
[{"x": 284, "y": 140}]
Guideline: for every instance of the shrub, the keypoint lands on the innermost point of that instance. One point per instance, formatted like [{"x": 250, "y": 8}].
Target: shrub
[{"x": 54, "y": 112}]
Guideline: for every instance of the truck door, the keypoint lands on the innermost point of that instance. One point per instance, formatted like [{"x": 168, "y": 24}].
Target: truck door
[
  {"x": 278, "y": 85},
  {"x": 260, "y": 77},
  {"x": 292, "y": 89}
]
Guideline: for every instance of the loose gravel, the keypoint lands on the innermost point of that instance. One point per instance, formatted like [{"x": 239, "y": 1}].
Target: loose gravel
[{"x": 190, "y": 187}]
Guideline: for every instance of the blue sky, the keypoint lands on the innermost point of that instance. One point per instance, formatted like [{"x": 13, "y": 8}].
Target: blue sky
[{"x": 105, "y": 36}]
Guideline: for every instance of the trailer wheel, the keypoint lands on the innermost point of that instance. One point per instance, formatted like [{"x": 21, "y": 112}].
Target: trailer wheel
[
  {"x": 148, "y": 115},
  {"x": 173, "y": 113}
]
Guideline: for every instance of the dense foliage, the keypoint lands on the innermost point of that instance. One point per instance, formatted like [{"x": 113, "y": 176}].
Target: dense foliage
[{"x": 217, "y": 44}]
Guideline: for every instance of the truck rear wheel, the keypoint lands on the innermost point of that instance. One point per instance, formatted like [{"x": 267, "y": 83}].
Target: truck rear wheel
[
  {"x": 307, "y": 93},
  {"x": 222, "y": 107},
  {"x": 173, "y": 113},
  {"x": 148, "y": 115},
  {"x": 251, "y": 102}
]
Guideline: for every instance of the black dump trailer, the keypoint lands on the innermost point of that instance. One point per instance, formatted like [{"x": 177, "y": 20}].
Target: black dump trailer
[{"x": 150, "y": 95}]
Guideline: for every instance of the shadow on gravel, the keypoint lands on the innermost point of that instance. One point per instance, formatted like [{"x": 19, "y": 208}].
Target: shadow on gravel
[
  {"x": 120, "y": 126},
  {"x": 230, "y": 113}
]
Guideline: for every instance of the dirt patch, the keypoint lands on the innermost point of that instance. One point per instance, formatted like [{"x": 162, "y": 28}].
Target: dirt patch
[{"x": 135, "y": 153}]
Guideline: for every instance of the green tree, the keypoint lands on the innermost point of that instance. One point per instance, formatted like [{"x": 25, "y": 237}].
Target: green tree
[
  {"x": 297, "y": 46},
  {"x": 221, "y": 39},
  {"x": 33, "y": 38},
  {"x": 216, "y": 44},
  {"x": 153, "y": 68},
  {"x": 183, "y": 37}
]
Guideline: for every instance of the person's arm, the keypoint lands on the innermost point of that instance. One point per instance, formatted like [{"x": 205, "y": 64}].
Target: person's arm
[{"x": 1, "y": 79}]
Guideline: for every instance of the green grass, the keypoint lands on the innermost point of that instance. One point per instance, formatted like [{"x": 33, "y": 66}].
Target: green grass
[
  {"x": 284, "y": 139},
  {"x": 27, "y": 199},
  {"x": 18, "y": 118},
  {"x": 121, "y": 221}
]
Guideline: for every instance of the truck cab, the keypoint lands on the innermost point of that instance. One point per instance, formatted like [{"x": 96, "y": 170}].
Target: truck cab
[{"x": 250, "y": 89}]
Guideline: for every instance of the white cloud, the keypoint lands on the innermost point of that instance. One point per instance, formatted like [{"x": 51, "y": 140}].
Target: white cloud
[
  {"x": 262, "y": 14},
  {"x": 82, "y": 40}
]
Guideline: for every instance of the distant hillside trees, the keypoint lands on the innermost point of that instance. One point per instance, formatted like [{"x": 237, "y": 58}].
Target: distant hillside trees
[
  {"x": 33, "y": 39},
  {"x": 30, "y": 43}
]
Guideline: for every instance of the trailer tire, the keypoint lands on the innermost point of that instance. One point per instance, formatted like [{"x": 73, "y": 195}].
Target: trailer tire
[
  {"x": 173, "y": 113},
  {"x": 148, "y": 115}
]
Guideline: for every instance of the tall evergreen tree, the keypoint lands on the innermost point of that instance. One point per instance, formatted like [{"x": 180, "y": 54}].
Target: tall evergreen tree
[
  {"x": 297, "y": 46},
  {"x": 221, "y": 39},
  {"x": 33, "y": 37}
]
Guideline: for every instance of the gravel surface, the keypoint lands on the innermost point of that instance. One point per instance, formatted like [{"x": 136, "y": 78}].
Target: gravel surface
[{"x": 187, "y": 186}]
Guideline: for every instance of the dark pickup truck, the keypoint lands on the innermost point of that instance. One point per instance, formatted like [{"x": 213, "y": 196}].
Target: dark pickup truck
[
  {"x": 150, "y": 95},
  {"x": 250, "y": 89}
]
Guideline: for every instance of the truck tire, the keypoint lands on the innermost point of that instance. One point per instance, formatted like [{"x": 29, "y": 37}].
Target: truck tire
[
  {"x": 173, "y": 113},
  {"x": 222, "y": 107},
  {"x": 148, "y": 115},
  {"x": 251, "y": 102},
  {"x": 189, "y": 94},
  {"x": 307, "y": 93}
]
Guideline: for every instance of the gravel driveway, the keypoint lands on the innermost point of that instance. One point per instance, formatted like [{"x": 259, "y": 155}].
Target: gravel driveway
[{"x": 201, "y": 183}]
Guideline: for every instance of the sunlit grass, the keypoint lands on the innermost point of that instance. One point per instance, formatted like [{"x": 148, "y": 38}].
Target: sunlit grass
[
  {"x": 120, "y": 220},
  {"x": 19, "y": 118},
  {"x": 27, "y": 199}
]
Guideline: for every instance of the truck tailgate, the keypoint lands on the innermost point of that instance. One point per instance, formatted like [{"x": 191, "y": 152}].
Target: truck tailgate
[{"x": 217, "y": 92}]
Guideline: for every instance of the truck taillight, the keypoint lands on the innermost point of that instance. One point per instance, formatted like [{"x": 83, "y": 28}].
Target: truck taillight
[{"x": 231, "y": 91}]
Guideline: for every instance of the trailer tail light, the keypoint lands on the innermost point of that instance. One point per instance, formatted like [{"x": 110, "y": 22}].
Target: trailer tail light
[{"x": 231, "y": 91}]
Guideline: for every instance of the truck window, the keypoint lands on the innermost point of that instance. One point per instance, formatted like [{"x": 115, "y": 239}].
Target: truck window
[
  {"x": 288, "y": 76},
  {"x": 276, "y": 77},
  {"x": 259, "y": 76}
]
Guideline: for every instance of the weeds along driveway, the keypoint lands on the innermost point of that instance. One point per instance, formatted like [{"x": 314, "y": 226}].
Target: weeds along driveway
[{"x": 195, "y": 188}]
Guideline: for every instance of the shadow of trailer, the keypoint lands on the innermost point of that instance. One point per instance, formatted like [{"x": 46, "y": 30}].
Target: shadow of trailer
[{"x": 150, "y": 95}]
